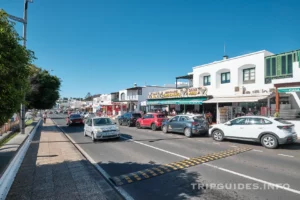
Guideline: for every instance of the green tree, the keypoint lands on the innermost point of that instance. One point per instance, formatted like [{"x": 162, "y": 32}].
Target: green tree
[
  {"x": 14, "y": 69},
  {"x": 44, "y": 89}
]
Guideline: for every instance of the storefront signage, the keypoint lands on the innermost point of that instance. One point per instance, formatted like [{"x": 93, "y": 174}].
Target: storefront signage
[
  {"x": 177, "y": 93},
  {"x": 283, "y": 90}
]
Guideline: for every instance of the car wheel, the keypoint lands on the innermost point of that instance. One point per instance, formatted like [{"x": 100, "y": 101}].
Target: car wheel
[
  {"x": 269, "y": 141},
  {"x": 188, "y": 132},
  {"x": 138, "y": 125},
  {"x": 218, "y": 135},
  {"x": 153, "y": 127},
  {"x": 165, "y": 129},
  {"x": 128, "y": 123},
  {"x": 93, "y": 137}
]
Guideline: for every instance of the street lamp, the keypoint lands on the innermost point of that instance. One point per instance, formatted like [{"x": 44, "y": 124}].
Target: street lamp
[{"x": 24, "y": 22}]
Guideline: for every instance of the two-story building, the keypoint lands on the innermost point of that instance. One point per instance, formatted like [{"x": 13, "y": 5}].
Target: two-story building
[{"x": 133, "y": 99}]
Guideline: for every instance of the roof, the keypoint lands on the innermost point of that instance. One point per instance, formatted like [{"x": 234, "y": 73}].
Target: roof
[
  {"x": 237, "y": 99},
  {"x": 135, "y": 88},
  {"x": 229, "y": 59},
  {"x": 114, "y": 92},
  {"x": 189, "y": 76}
]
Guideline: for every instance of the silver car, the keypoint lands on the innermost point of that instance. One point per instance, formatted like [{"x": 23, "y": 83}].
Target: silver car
[{"x": 101, "y": 128}]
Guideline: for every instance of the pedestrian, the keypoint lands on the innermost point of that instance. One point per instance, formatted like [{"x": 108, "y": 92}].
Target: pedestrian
[{"x": 45, "y": 117}]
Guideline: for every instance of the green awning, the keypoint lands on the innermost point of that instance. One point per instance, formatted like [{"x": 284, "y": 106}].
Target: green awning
[{"x": 179, "y": 101}]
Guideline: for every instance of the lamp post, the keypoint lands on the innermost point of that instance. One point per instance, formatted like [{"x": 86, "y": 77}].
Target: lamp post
[{"x": 24, "y": 22}]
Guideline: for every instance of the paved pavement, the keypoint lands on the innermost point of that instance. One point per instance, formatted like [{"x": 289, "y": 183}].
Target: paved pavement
[
  {"x": 8, "y": 150},
  {"x": 143, "y": 149},
  {"x": 53, "y": 168}
]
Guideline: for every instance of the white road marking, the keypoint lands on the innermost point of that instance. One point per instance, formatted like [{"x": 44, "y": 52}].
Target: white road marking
[
  {"x": 233, "y": 146},
  {"x": 223, "y": 169},
  {"x": 257, "y": 150},
  {"x": 100, "y": 169},
  {"x": 286, "y": 155}
]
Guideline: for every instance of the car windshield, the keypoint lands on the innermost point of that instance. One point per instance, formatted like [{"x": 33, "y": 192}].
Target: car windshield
[
  {"x": 136, "y": 115},
  {"x": 199, "y": 118},
  {"x": 282, "y": 121},
  {"x": 160, "y": 116},
  {"x": 102, "y": 122},
  {"x": 75, "y": 116}
]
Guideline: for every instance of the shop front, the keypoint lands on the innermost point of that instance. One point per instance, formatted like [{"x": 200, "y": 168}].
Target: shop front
[
  {"x": 227, "y": 108},
  {"x": 175, "y": 101}
]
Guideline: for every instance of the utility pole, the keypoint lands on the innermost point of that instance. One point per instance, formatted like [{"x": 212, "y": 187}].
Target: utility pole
[{"x": 24, "y": 22}]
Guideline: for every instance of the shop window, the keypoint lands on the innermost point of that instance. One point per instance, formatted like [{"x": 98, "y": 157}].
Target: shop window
[
  {"x": 249, "y": 75},
  {"x": 290, "y": 63},
  {"x": 268, "y": 63},
  {"x": 225, "y": 77},
  {"x": 206, "y": 80}
]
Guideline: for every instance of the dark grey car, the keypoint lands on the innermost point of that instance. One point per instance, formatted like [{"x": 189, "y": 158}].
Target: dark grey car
[{"x": 188, "y": 124}]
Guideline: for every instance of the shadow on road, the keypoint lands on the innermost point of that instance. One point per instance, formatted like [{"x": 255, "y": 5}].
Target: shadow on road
[{"x": 171, "y": 185}]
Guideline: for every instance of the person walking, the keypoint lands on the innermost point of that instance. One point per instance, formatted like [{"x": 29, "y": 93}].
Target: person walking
[{"x": 45, "y": 117}]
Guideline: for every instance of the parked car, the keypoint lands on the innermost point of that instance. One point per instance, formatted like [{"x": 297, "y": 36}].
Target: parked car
[
  {"x": 150, "y": 120},
  {"x": 101, "y": 128},
  {"x": 270, "y": 132},
  {"x": 187, "y": 124},
  {"x": 74, "y": 119},
  {"x": 128, "y": 119}
]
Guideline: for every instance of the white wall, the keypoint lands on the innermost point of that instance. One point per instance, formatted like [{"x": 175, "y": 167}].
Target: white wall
[
  {"x": 120, "y": 93},
  {"x": 235, "y": 66}
]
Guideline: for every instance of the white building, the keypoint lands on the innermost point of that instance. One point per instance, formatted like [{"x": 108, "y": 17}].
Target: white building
[{"x": 134, "y": 99}]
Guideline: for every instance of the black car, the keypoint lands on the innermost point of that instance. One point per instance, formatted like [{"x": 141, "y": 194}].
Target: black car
[
  {"x": 128, "y": 119},
  {"x": 188, "y": 124}
]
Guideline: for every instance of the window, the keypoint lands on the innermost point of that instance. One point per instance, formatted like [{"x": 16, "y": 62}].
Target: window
[
  {"x": 239, "y": 121},
  {"x": 283, "y": 65},
  {"x": 268, "y": 63},
  {"x": 206, "y": 80},
  {"x": 122, "y": 96},
  {"x": 175, "y": 119},
  {"x": 290, "y": 63},
  {"x": 273, "y": 66},
  {"x": 225, "y": 77},
  {"x": 140, "y": 91},
  {"x": 184, "y": 118},
  {"x": 249, "y": 75},
  {"x": 267, "y": 121},
  {"x": 150, "y": 116},
  {"x": 255, "y": 121},
  {"x": 160, "y": 116}
]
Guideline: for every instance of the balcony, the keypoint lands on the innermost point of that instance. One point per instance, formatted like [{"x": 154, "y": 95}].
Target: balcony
[
  {"x": 132, "y": 97},
  {"x": 184, "y": 84}
]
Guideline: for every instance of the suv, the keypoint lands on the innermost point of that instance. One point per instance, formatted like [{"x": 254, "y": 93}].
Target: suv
[
  {"x": 128, "y": 119},
  {"x": 270, "y": 132},
  {"x": 187, "y": 124},
  {"x": 151, "y": 120}
]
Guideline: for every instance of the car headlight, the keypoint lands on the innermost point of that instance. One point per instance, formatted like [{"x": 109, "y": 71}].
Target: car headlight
[
  {"x": 99, "y": 130},
  {"x": 117, "y": 128}
]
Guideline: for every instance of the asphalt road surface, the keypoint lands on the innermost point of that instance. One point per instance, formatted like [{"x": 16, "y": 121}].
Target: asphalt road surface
[{"x": 249, "y": 175}]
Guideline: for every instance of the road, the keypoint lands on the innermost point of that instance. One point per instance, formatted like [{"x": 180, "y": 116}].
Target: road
[{"x": 248, "y": 175}]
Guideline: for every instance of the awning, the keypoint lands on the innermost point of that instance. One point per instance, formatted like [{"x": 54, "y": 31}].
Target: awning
[
  {"x": 187, "y": 101},
  {"x": 237, "y": 99}
]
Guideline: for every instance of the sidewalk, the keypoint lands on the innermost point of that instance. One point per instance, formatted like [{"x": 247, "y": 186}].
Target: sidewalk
[
  {"x": 53, "y": 168},
  {"x": 8, "y": 150}
]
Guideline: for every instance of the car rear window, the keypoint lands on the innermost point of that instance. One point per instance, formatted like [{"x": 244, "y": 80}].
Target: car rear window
[
  {"x": 199, "y": 118},
  {"x": 282, "y": 121},
  {"x": 75, "y": 116},
  {"x": 136, "y": 115},
  {"x": 160, "y": 116}
]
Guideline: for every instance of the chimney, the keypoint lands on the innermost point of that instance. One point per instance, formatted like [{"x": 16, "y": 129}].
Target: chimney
[
  {"x": 135, "y": 85},
  {"x": 225, "y": 57}
]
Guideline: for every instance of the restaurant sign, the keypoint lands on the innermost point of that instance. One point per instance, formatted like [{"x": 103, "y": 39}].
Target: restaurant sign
[
  {"x": 177, "y": 93},
  {"x": 294, "y": 89}
]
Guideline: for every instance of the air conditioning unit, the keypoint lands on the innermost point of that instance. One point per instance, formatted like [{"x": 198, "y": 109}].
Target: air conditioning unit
[
  {"x": 239, "y": 90},
  {"x": 268, "y": 80}
]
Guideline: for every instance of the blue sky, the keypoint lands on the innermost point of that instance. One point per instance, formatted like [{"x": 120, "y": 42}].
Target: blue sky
[{"x": 102, "y": 46}]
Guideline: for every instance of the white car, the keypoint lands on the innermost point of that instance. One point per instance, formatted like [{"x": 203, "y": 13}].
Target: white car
[
  {"x": 270, "y": 132},
  {"x": 101, "y": 128}
]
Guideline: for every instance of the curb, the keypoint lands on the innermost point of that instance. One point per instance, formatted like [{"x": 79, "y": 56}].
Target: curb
[
  {"x": 8, "y": 177},
  {"x": 122, "y": 192}
]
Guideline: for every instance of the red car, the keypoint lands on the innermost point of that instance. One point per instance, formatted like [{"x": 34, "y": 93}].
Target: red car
[
  {"x": 150, "y": 120},
  {"x": 74, "y": 119}
]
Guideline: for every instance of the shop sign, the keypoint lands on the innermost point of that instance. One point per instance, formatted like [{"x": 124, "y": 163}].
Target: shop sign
[
  {"x": 283, "y": 90},
  {"x": 177, "y": 93}
]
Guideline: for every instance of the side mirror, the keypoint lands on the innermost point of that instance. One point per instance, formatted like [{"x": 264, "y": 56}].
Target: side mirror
[{"x": 228, "y": 123}]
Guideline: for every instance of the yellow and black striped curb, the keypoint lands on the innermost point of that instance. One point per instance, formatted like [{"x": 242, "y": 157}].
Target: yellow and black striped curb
[{"x": 163, "y": 169}]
